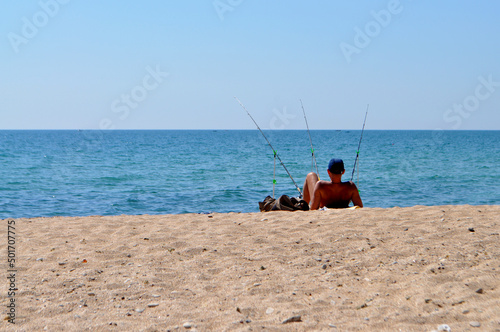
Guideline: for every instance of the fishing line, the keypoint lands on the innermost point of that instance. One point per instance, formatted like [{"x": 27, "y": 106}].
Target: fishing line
[
  {"x": 359, "y": 145},
  {"x": 313, "y": 161},
  {"x": 274, "y": 151},
  {"x": 274, "y": 172}
]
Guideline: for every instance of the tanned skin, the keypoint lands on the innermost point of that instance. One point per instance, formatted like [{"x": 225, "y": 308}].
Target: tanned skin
[{"x": 334, "y": 193}]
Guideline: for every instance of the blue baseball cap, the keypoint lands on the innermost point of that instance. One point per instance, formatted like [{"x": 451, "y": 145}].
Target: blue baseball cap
[{"x": 336, "y": 166}]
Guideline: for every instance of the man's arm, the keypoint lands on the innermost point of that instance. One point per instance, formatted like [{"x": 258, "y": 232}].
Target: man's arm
[
  {"x": 316, "y": 197},
  {"x": 356, "y": 199}
]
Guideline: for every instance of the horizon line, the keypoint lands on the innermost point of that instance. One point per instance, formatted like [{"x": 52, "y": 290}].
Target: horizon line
[{"x": 225, "y": 129}]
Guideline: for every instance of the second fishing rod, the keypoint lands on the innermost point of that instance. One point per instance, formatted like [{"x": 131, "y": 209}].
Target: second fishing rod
[
  {"x": 276, "y": 156},
  {"x": 359, "y": 146}
]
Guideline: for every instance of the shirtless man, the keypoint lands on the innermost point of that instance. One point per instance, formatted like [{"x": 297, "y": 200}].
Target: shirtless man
[{"x": 334, "y": 194}]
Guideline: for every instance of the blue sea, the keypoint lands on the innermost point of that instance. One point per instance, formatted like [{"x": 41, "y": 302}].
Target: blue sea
[{"x": 80, "y": 173}]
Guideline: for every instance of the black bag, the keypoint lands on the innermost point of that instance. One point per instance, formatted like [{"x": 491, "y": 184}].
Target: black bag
[{"x": 283, "y": 203}]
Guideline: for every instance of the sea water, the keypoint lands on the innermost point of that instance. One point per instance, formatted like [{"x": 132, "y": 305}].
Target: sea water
[{"x": 81, "y": 173}]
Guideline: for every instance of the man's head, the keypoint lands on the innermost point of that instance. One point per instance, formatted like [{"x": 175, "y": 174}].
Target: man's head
[{"x": 336, "y": 166}]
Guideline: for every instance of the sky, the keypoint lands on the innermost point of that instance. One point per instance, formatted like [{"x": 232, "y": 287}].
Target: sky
[{"x": 164, "y": 64}]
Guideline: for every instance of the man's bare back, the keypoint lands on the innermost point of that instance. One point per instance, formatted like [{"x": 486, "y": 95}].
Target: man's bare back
[
  {"x": 331, "y": 194},
  {"x": 335, "y": 195}
]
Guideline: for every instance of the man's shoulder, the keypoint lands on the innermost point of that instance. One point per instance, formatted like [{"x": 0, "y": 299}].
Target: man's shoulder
[
  {"x": 347, "y": 185},
  {"x": 350, "y": 184},
  {"x": 323, "y": 184}
]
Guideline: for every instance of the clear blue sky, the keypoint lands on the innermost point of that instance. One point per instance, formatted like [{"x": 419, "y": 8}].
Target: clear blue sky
[{"x": 178, "y": 64}]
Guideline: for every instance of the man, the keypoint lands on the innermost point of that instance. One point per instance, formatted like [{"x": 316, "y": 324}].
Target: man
[{"x": 334, "y": 194}]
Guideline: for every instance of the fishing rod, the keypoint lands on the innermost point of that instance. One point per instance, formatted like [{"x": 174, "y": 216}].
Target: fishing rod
[
  {"x": 313, "y": 161},
  {"x": 274, "y": 151},
  {"x": 359, "y": 145}
]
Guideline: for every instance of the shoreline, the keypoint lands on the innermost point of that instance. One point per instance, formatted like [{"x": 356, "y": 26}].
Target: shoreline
[
  {"x": 411, "y": 268},
  {"x": 243, "y": 213}
]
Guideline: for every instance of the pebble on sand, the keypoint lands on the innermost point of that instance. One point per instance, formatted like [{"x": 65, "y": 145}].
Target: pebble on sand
[
  {"x": 444, "y": 327},
  {"x": 475, "y": 324},
  {"x": 292, "y": 319}
]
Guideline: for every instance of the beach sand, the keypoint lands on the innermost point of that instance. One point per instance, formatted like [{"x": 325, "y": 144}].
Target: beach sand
[{"x": 370, "y": 269}]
